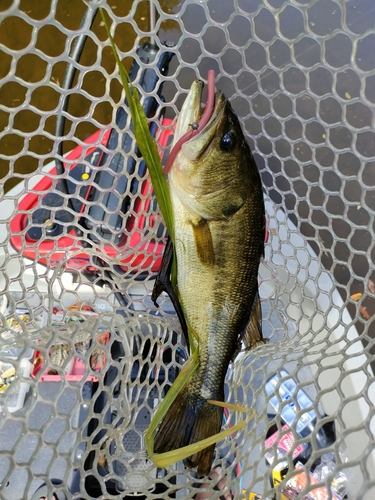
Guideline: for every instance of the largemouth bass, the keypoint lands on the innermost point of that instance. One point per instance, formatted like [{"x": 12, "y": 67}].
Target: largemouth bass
[{"x": 218, "y": 213}]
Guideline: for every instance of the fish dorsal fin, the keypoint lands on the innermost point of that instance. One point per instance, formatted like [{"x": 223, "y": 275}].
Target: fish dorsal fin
[
  {"x": 253, "y": 334},
  {"x": 203, "y": 241}
]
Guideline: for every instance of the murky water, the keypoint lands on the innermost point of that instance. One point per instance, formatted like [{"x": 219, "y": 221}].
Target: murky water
[{"x": 16, "y": 34}]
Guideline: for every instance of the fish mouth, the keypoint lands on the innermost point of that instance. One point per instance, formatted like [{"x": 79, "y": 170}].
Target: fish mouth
[
  {"x": 197, "y": 122},
  {"x": 196, "y": 127}
]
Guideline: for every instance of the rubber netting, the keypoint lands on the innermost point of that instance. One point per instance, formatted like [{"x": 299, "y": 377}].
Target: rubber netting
[{"x": 85, "y": 356}]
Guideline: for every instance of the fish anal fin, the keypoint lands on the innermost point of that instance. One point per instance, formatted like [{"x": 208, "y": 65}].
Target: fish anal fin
[
  {"x": 253, "y": 334},
  {"x": 203, "y": 242}
]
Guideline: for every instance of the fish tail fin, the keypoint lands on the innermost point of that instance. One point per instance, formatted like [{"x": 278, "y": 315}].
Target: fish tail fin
[{"x": 189, "y": 420}]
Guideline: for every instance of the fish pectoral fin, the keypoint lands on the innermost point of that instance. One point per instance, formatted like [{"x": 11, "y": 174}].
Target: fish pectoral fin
[
  {"x": 203, "y": 241},
  {"x": 253, "y": 334}
]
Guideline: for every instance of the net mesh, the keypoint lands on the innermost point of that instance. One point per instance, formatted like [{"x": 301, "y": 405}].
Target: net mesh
[{"x": 81, "y": 374}]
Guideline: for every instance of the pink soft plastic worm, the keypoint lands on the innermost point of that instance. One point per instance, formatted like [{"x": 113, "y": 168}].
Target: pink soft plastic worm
[{"x": 202, "y": 122}]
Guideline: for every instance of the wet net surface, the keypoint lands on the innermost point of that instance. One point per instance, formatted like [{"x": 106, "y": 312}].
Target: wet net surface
[{"x": 85, "y": 356}]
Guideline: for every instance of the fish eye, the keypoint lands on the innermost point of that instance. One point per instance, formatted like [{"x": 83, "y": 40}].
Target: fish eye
[{"x": 228, "y": 141}]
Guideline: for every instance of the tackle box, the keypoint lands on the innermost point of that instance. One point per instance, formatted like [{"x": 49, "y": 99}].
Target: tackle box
[{"x": 74, "y": 371}]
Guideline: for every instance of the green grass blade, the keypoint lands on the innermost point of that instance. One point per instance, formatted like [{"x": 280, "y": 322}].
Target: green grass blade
[
  {"x": 229, "y": 406},
  {"x": 146, "y": 143}
]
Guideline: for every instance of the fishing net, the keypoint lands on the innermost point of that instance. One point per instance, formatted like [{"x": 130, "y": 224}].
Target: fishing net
[{"x": 85, "y": 356}]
